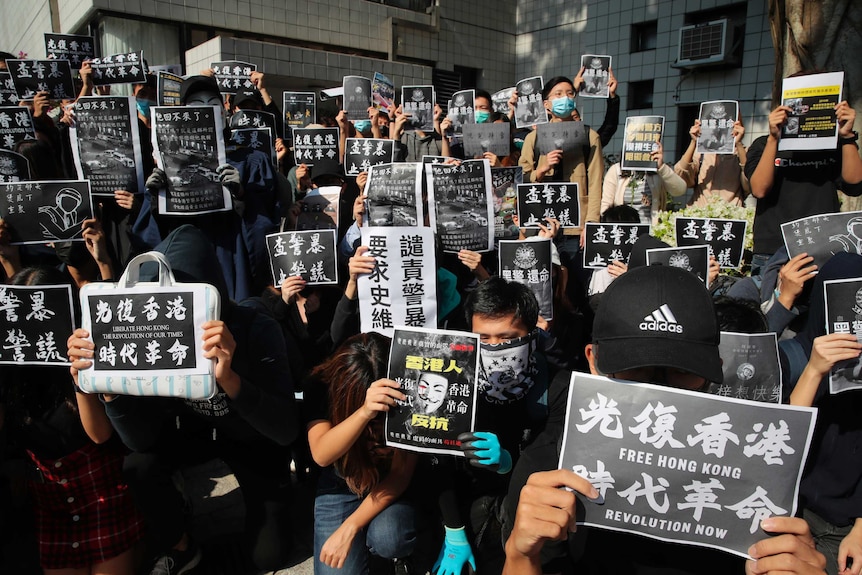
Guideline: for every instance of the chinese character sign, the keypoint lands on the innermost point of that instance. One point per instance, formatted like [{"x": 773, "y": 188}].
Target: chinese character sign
[
  {"x": 394, "y": 195},
  {"x": 530, "y": 108},
  {"x": 259, "y": 139},
  {"x": 606, "y": 243},
  {"x": 233, "y": 76},
  {"x": 751, "y": 368},
  {"x": 684, "y": 466},
  {"x": 504, "y": 183},
  {"x": 363, "y": 153},
  {"x": 529, "y": 262},
  {"x": 35, "y": 322},
  {"x": 106, "y": 146},
  {"x": 168, "y": 89},
  {"x": 33, "y": 76},
  {"x": 128, "y": 68},
  {"x": 8, "y": 95},
  {"x": 316, "y": 147},
  {"x": 382, "y": 92},
  {"x": 300, "y": 110},
  {"x": 694, "y": 259},
  {"x": 460, "y": 206},
  {"x": 566, "y": 136},
  {"x": 716, "y": 127},
  {"x": 642, "y": 137},
  {"x": 596, "y": 75},
  {"x": 417, "y": 102},
  {"x": 462, "y": 110},
  {"x": 539, "y": 202},
  {"x": 45, "y": 211},
  {"x": 437, "y": 371},
  {"x": 402, "y": 288},
  {"x": 811, "y": 123},
  {"x": 357, "y": 97},
  {"x": 253, "y": 119},
  {"x": 844, "y": 315},
  {"x": 13, "y": 167},
  {"x": 16, "y": 125},
  {"x": 71, "y": 47},
  {"x": 725, "y": 238},
  {"x": 488, "y": 137},
  {"x": 309, "y": 254},
  {"x": 823, "y": 235}
]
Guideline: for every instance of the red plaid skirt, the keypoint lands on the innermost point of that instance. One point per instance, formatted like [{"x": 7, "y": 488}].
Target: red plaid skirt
[{"x": 84, "y": 511}]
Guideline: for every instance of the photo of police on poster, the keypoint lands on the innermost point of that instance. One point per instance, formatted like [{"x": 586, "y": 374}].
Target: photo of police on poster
[
  {"x": 33, "y": 76},
  {"x": 504, "y": 185},
  {"x": 233, "y": 76},
  {"x": 683, "y": 466},
  {"x": 844, "y": 315},
  {"x": 128, "y": 68},
  {"x": 606, "y": 243},
  {"x": 361, "y": 154},
  {"x": 824, "y": 235},
  {"x": 35, "y": 321},
  {"x": 749, "y": 362},
  {"x": 309, "y": 254},
  {"x": 106, "y": 146},
  {"x": 188, "y": 144},
  {"x": 462, "y": 110},
  {"x": 725, "y": 238},
  {"x": 13, "y": 167},
  {"x": 529, "y": 262},
  {"x": 259, "y": 139},
  {"x": 71, "y": 47},
  {"x": 357, "y": 97},
  {"x": 694, "y": 259},
  {"x": 168, "y": 89},
  {"x": 716, "y": 127},
  {"x": 402, "y": 289},
  {"x": 45, "y": 211},
  {"x": 417, "y": 102},
  {"x": 530, "y": 108},
  {"x": 460, "y": 205},
  {"x": 641, "y": 139},
  {"x": 596, "y": 75},
  {"x": 811, "y": 123},
  {"x": 382, "y": 92},
  {"x": 300, "y": 110},
  {"x": 8, "y": 95},
  {"x": 539, "y": 202},
  {"x": 16, "y": 125},
  {"x": 482, "y": 138},
  {"x": 394, "y": 195},
  {"x": 565, "y": 136},
  {"x": 316, "y": 147},
  {"x": 437, "y": 370}
]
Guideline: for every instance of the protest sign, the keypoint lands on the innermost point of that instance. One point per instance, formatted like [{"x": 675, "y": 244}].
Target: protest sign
[
  {"x": 824, "y": 235},
  {"x": 318, "y": 148},
  {"x": 45, "y": 211},
  {"x": 36, "y": 322},
  {"x": 539, "y": 202},
  {"x": 460, "y": 205},
  {"x": 529, "y": 262},
  {"x": 33, "y": 76},
  {"x": 844, "y": 315},
  {"x": 642, "y": 137},
  {"x": 530, "y": 108},
  {"x": 812, "y": 123},
  {"x": 233, "y": 76},
  {"x": 565, "y": 136},
  {"x": 418, "y": 103},
  {"x": 259, "y": 139},
  {"x": 750, "y": 365},
  {"x": 128, "y": 68},
  {"x": 319, "y": 209},
  {"x": 596, "y": 75},
  {"x": 8, "y": 95},
  {"x": 500, "y": 100},
  {"x": 13, "y": 167},
  {"x": 300, "y": 110},
  {"x": 504, "y": 185},
  {"x": 611, "y": 242},
  {"x": 71, "y": 47},
  {"x": 394, "y": 195},
  {"x": 310, "y": 254},
  {"x": 16, "y": 125},
  {"x": 487, "y": 137},
  {"x": 357, "y": 97},
  {"x": 361, "y": 154},
  {"x": 694, "y": 259},
  {"x": 168, "y": 89},
  {"x": 725, "y": 238},
  {"x": 716, "y": 127},
  {"x": 462, "y": 110},
  {"x": 383, "y": 92}
]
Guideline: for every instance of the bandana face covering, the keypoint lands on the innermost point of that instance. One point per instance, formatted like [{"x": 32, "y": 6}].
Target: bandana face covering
[{"x": 507, "y": 370}]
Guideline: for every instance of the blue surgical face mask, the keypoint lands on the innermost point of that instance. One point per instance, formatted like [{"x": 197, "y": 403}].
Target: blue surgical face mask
[
  {"x": 362, "y": 125},
  {"x": 143, "y": 107},
  {"x": 563, "y": 107},
  {"x": 482, "y": 116}
]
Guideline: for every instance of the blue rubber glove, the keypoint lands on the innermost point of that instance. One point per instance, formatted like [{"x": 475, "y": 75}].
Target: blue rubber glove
[
  {"x": 456, "y": 552},
  {"x": 482, "y": 449}
]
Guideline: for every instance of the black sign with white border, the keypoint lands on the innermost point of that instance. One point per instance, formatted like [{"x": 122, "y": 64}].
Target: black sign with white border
[
  {"x": 538, "y": 202},
  {"x": 33, "y": 76},
  {"x": 310, "y": 254},
  {"x": 529, "y": 262},
  {"x": 751, "y": 367},
  {"x": 725, "y": 238},
  {"x": 694, "y": 259},
  {"x": 35, "y": 322},
  {"x": 46, "y": 211},
  {"x": 610, "y": 242}
]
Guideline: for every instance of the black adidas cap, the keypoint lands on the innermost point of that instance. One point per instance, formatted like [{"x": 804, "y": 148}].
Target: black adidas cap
[{"x": 657, "y": 316}]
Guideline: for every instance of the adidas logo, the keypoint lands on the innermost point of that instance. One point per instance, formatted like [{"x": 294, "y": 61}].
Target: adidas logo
[{"x": 661, "y": 319}]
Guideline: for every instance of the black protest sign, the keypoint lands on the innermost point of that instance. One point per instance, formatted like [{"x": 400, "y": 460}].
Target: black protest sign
[
  {"x": 106, "y": 146},
  {"x": 16, "y": 125},
  {"x": 418, "y": 103},
  {"x": 33, "y": 76},
  {"x": 253, "y": 119},
  {"x": 36, "y": 322},
  {"x": 189, "y": 146},
  {"x": 383, "y": 92},
  {"x": 128, "y": 68},
  {"x": 539, "y": 202},
  {"x": 694, "y": 259},
  {"x": 504, "y": 185},
  {"x": 487, "y": 137},
  {"x": 259, "y": 139},
  {"x": 529, "y": 262},
  {"x": 749, "y": 362},
  {"x": 437, "y": 370},
  {"x": 824, "y": 235},
  {"x": 363, "y": 153},
  {"x": 462, "y": 110},
  {"x": 300, "y": 110},
  {"x": 71, "y": 47},
  {"x": 316, "y": 147},
  {"x": 596, "y": 75},
  {"x": 319, "y": 209},
  {"x": 45, "y": 211},
  {"x": 462, "y": 212},
  {"x": 716, "y": 127},
  {"x": 8, "y": 95},
  {"x": 357, "y": 97},
  {"x": 844, "y": 315},
  {"x": 13, "y": 167},
  {"x": 309, "y": 254},
  {"x": 530, "y": 108},
  {"x": 168, "y": 89},
  {"x": 642, "y": 137},
  {"x": 611, "y": 242},
  {"x": 565, "y": 136},
  {"x": 684, "y": 466},
  {"x": 725, "y": 238},
  {"x": 233, "y": 76},
  {"x": 500, "y": 100},
  {"x": 394, "y": 195}
]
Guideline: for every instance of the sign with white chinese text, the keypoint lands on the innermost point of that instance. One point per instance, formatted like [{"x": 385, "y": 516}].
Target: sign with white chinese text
[
  {"x": 357, "y": 97},
  {"x": 539, "y": 202},
  {"x": 363, "y": 153},
  {"x": 694, "y": 259},
  {"x": 565, "y": 136},
  {"x": 8, "y": 95},
  {"x": 45, "y": 211},
  {"x": 725, "y": 238},
  {"x": 462, "y": 110},
  {"x": 233, "y": 76},
  {"x": 824, "y": 235},
  {"x": 35, "y": 322},
  {"x": 259, "y": 139},
  {"x": 417, "y": 102},
  {"x": 310, "y": 254},
  {"x": 316, "y": 147},
  {"x": 71, "y": 47},
  {"x": 716, "y": 127},
  {"x": 530, "y": 108},
  {"x": 13, "y": 167},
  {"x": 596, "y": 75},
  {"x": 611, "y": 242},
  {"x": 481, "y": 138},
  {"x": 128, "y": 68},
  {"x": 750, "y": 365},
  {"x": 16, "y": 125},
  {"x": 33, "y": 76},
  {"x": 529, "y": 262}
]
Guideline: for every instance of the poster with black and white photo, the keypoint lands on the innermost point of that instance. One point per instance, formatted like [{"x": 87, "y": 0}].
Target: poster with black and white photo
[
  {"x": 725, "y": 238},
  {"x": 417, "y": 102},
  {"x": 128, "y": 68},
  {"x": 462, "y": 110},
  {"x": 382, "y": 92},
  {"x": 529, "y": 262},
  {"x": 188, "y": 144},
  {"x": 716, "y": 127},
  {"x": 363, "y": 153},
  {"x": 319, "y": 209},
  {"x": 694, "y": 259},
  {"x": 504, "y": 185},
  {"x": 565, "y": 136},
  {"x": 168, "y": 89},
  {"x": 684, "y": 466},
  {"x": 402, "y": 289},
  {"x": 642, "y": 137},
  {"x": 437, "y": 370},
  {"x": 106, "y": 145},
  {"x": 16, "y": 125},
  {"x": 530, "y": 108},
  {"x": 500, "y": 100},
  {"x": 357, "y": 97},
  {"x": 8, "y": 95},
  {"x": 812, "y": 123},
  {"x": 300, "y": 110},
  {"x": 487, "y": 137},
  {"x": 310, "y": 254},
  {"x": 460, "y": 206},
  {"x": 259, "y": 139},
  {"x": 233, "y": 76},
  {"x": 597, "y": 75},
  {"x": 539, "y": 202},
  {"x": 844, "y": 315},
  {"x": 749, "y": 362},
  {"x": 316, "y": 147},
  {"x": 13, "y": 167},
  {"x": 72, "y": 47},
  {"x": 45, "y": 211},
  {"x": 611, "y": 242},
  {"x": 33, "y": 76},
  {"x": 36, "y": 321},
  {"x": 824, "y": 235},
  {"x": 394, "y": 195}
]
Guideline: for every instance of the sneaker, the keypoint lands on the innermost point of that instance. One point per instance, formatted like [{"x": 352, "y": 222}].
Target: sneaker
[{"x": 177, "y": 562}]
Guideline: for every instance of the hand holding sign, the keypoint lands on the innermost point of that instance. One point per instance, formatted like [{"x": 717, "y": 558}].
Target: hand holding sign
[
  {"x": 790, "y": 550},
  {"x": 380, "y": 396},
  {"x": 80, "y": 352},
  {"x": 220, "y": 345}
]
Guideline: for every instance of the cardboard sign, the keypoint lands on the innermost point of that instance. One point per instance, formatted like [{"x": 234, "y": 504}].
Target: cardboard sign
[
  {"x": 35, "y": 322},
  {"x": 606, "y": 243},
  {"x": 45, "y": 211},
  {"x": 310, "y": 254}
]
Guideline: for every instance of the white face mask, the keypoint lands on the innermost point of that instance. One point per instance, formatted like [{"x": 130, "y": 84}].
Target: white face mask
[
  {"x": 206, "y": 99},
  {"x": 507, "y": 370}
]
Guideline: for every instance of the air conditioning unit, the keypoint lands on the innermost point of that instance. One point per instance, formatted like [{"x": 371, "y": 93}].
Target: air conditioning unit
[{"x": 706, "y": 44}]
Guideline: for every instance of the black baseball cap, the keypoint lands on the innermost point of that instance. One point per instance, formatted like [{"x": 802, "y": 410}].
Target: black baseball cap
[
  {"x": 195, "y": 84},
  {"x": 245, "y": 96},
  {"x": 657, "y": 316}
]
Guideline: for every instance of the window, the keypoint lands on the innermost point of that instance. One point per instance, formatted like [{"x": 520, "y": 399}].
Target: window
[
  {"x": 640, "y": 95},
  {"x": 714, "y": 38},
  {"x": 644, "y": 36}
]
